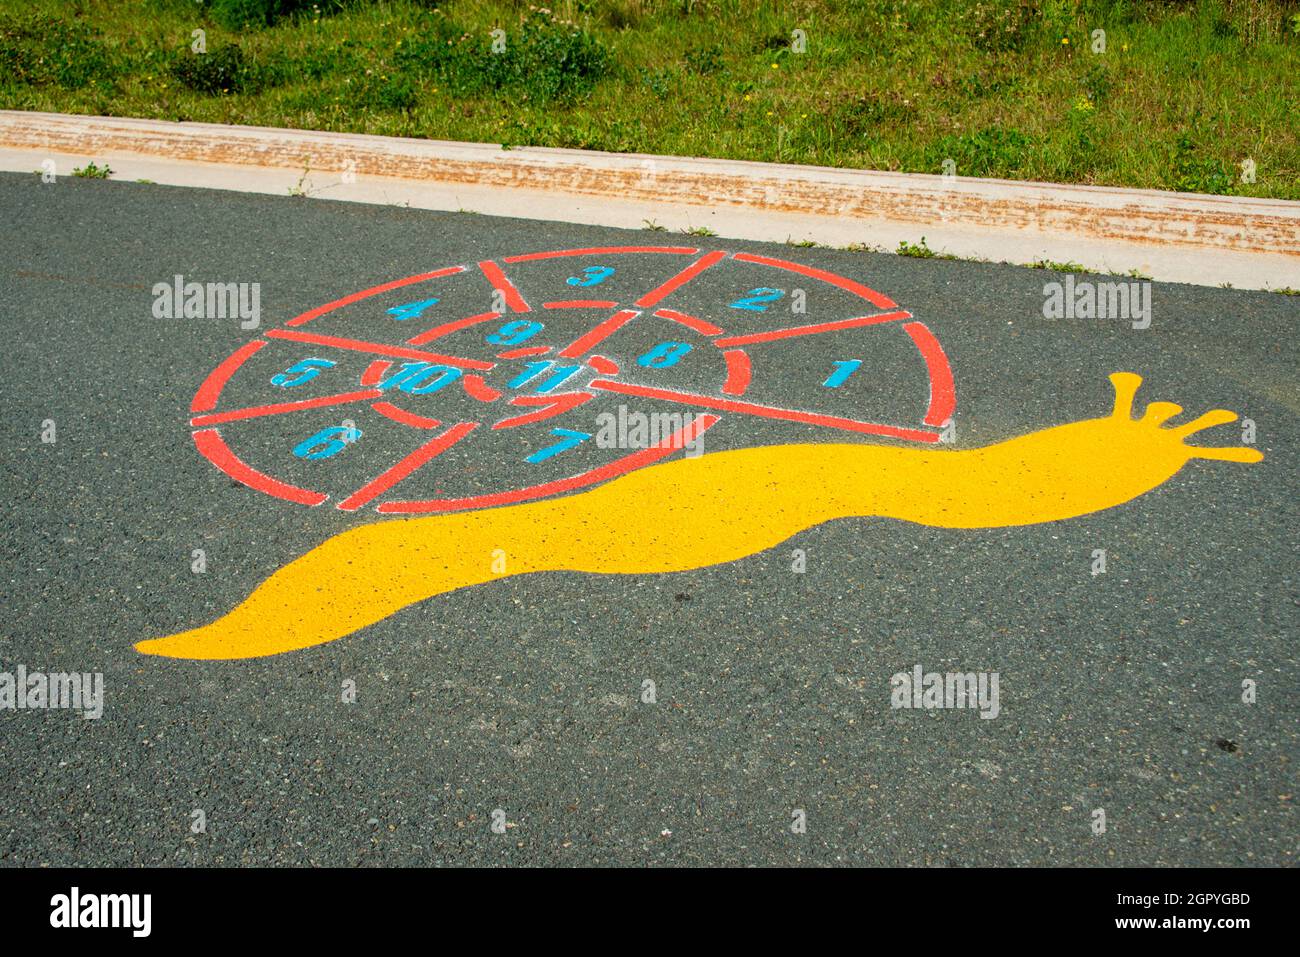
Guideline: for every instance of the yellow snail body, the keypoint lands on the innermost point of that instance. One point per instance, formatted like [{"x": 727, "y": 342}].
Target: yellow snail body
[{"x": 695, "y": 512}]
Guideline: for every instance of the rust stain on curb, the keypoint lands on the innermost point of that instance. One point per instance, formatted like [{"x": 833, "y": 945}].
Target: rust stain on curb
[{"x": 1170, "y": 220}]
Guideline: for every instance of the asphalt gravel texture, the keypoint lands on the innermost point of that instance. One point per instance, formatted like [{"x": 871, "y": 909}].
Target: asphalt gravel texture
[{"x": 1120, "y": 692}]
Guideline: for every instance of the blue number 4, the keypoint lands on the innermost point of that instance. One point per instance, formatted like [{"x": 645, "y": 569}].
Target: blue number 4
[
  {"x": 569, "y": 440},
  {"x": 411, "y": 310}
]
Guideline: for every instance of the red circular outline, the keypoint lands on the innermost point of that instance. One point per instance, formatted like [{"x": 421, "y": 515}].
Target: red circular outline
[{"x": 940, "y": 407}]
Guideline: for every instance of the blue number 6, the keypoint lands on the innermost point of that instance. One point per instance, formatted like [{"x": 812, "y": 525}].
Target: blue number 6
[{"x": 326, "y": 443}]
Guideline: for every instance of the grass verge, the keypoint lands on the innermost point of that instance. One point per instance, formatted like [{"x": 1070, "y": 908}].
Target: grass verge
[{"x": 1189, "y": 95}]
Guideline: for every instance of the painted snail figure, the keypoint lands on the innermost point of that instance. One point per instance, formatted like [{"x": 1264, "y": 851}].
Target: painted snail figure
[{"x": 647, "y": 512}]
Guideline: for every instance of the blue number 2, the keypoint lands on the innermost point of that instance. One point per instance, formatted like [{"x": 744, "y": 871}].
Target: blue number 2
[{"x": 757, "y": 300}]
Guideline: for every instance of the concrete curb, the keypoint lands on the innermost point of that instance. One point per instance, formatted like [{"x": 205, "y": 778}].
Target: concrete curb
[{"x": 1210, "y": 240}]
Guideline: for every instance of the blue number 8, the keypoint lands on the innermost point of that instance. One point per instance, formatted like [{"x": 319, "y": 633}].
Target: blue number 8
[{"x": 664, "y": 355}]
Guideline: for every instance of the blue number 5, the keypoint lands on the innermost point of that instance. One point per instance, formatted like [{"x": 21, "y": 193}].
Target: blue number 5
[{"x": 301, "y": 372}]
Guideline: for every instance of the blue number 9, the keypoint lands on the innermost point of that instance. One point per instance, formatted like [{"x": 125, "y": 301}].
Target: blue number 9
[{"x": 513, "y": 333}]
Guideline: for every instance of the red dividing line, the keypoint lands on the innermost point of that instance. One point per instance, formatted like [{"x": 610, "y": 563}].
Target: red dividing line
[
  {"x": 476, "y": 388},
  {"x": 550, "y": 405},
  {"x": 580, "y": 304},
  {"x": 601, "y": 251},
  {"x": 628, "y": 463},
  {"x": 278, "y": 408},
  {"x": 876, "y": 298},
  {"x": 311, "y": 314},
  {"x": 405, "y": 418},
  {"x": 738, "y": 372},
  {"x": 375, "y": 371},
  {"x": 526, "y": 351},
  {"x": 811, "y": 330},
  {"x": 378, "y": 348},
  {"x": 682, "y": 278},
  {"x": 584, "y": 344},
  {"x": 449, "y": 327},
  {"x": 943, "y": 394},
  {"x": 430, "y": 450},
  {"x": 690, "y": 322},
  {"x": 499, "y": 281},
  {"x": 210, "y": 391},
  {"x": 602, "y": 365},
  {"x": 766, "y": 411},
  {"x": 214, "y": 448}
]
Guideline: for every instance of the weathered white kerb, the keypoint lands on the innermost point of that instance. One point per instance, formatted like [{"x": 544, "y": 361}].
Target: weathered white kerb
[{"x": 1210, "y": 240}]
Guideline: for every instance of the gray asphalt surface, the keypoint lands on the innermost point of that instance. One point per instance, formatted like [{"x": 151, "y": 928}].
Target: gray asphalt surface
[{"x": 1119, "y": 691}]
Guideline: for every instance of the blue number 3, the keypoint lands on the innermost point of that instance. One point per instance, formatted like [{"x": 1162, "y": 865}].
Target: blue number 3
[{"x": 591, "y": 276}]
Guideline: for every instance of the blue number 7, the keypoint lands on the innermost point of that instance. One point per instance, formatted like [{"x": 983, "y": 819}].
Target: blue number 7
[
  {"x": 569, "y": 440},
  {"x": 843, "y": 369}
]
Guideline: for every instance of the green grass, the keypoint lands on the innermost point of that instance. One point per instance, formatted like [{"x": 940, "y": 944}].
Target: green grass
[
  {"x": 91, "y": 171},
  {"x": 1186, "y": 91},
  {"x": 1068, "y": 266},
  {"x": 921, "y": 251}
]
